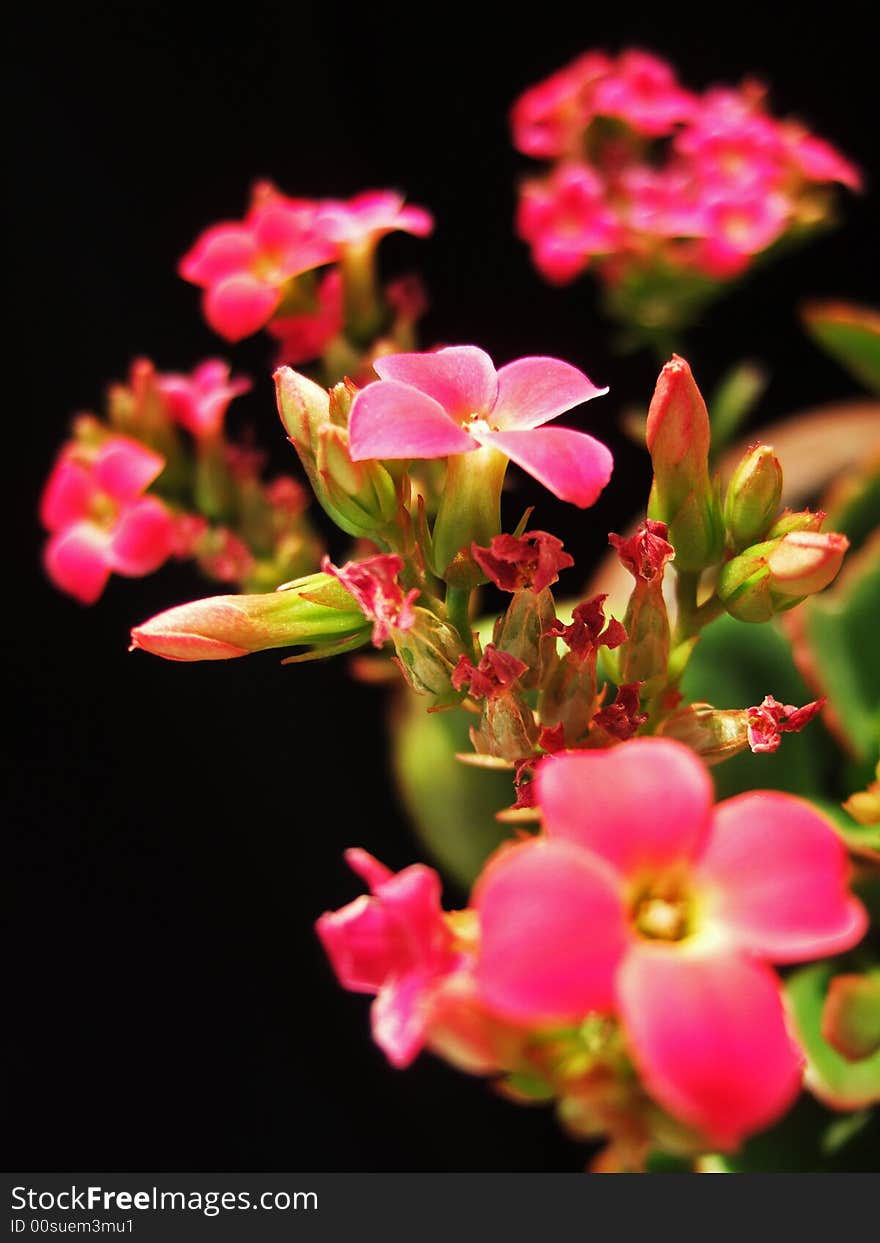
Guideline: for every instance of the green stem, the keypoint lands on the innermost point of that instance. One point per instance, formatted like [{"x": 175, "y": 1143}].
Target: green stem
[{"x": 458, "y": 613}]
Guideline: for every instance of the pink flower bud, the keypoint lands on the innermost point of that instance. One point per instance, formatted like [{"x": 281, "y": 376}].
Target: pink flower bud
[{"x": 316, "y": 612}]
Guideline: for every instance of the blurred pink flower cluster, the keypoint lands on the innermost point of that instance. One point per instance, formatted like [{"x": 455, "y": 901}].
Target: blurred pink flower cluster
[
  {"x": 646, "y": 174},
  {"x": 273, "y": 269}
]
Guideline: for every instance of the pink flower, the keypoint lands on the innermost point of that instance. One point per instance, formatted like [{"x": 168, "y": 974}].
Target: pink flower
[
  {"x": 643, "y": 91},
  {"x": 548, "y": 119},
  {"x": 818, "y": 161},
  {"x": 243, "y": 266},
  {"x": 732, "y": 142},
  {"x": 530, "y": 562},
  {"x": 370, "y": 215},
  {"x": 394, "y": 944},
  {"x": 373, "y": 583},
  {"x": 454, "y": 401},
  {"x": 100, "y": 521},
  {"x": 737, "y": 227},
  {"x": 306, "y": 335},
  {"x": 199, "y": 401},
  {"x": 566, "y": 218},
  {"x": 642, "y": 901},
  {"x": 771, "y": 719}
]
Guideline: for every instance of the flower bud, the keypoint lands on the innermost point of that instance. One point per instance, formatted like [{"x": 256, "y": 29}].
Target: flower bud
[
  {"x": 753, "y": 495},
  {"x": 777, "y": 574},
  {"x": 316, "y": 612},
  {"x": 715, "y": 734},
  {"x": 360, "y": 497},
  {"x": 427, "y": 653},
  {"x": 682, "y": 494},
  {"x": 851, "y": 1015},
  {"x": 524, "y": 631},
  {"x": 792, "y": 520}
]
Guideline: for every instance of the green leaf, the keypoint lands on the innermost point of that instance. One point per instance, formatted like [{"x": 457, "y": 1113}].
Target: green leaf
[
  {"x": 836, "y": 1081},
  {"x": 735, "y": 665},
  {"x": 851, "y": 334},
  {"x": 733, "y": 401},
  {"x": 840, "y": 631},
  {"x": 452, "y": 805}
]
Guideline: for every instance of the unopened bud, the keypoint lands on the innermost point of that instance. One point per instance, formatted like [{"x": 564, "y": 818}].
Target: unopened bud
[
  {"x": 524, "y": 631},
  {"x": 851, "y": 1015},
  {"x": 427, "y": 654},
  {"x": 682, "y": 494},
  {"x": 714, "y": 734},
  {"x": 777, "y": 574},
  {"x": 753, "y": 495},
  {"x": 223, "y": 627},
  {"x": 792, "y": 520}
]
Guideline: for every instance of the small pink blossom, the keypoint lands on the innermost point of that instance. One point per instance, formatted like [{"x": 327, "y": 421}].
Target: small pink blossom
[
  {"x": 373, "y": 583},
  {"x": 548, "y": 119},
  {"x": 817, "y": 160},
  {"x": 642, "y": 901},
  {"x": 735, "y": 228},
  {"x": 643, "y": 91},
  {"x": 307, "y": 334},
  {"x": 369, "y": 216},
  {"x": 199, "y": 401},
  {"x": 492, "y": 678},
  {"x": 567, "y": 219},
  {"x": 395, "y": 944},
  {"x": 530, "y": 562},
  {"x": 99, "y": 521},
  {"x": 770, "y": 720},
  {"x": 243, "y": 266},
  {"x": 587, "y": 631},
  {"x": 454, "y": 401}
]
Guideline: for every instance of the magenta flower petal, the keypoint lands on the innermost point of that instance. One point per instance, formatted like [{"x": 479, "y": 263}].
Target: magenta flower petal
[
  {"x": 67, "y": 495},
  {"x": 143, "y": 538},
  {"x": 532, "y": 391},
  {"x": 552, "y": 932},
  {"x": 221, "y": 251},
  {"x": 76, "y": 561},
  {"x": 708, "y": 1035},
  {"x": 775, "y": 877},
  {"x": 239, "y": 305},
  {"x": 124, "y": 468},
  {"x": 462, "y": 378},
  {"x": 644, "y": 806},
  {"x": 572, "y": 465},
  {"x": 394, "y": 420},
  {"x": 398, "y": 1018}
]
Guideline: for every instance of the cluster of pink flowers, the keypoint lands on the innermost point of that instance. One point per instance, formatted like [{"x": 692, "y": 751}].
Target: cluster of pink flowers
[
  {"x": 647, "y": 175},
  {"x": 273, "y": 268},
  {"x": 638, "y": 906},
  {"x": 124, "y": 495}
]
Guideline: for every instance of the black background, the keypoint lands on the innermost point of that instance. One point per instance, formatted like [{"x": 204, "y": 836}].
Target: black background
[{"x": 176, "y": 829}]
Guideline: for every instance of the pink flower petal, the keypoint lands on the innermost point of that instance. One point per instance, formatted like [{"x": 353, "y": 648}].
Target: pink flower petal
[
  {"x": 639, "y": 807},
  {"x": 708, "y": 1035},
  {"x": 393, "y": 420},
  {"x": 361, "y": 943},
  {"x": 552, "y": 932},
  {"x": 143, "y": 538},
  {"x": 124, "y": 468},
  {"x": 67, "y": 495},
  {"x": 532, "y": 391},
  {"x": 239, "y": 305},
  {"x": 76, "y": 561},
  {"x": 461, "y": 378},
  {"x": 221, "y": 251},
  {"x": 398, "y": 1018},
  {"x": 774, "y": 875},
  {"x": 572, "y": 465}
]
